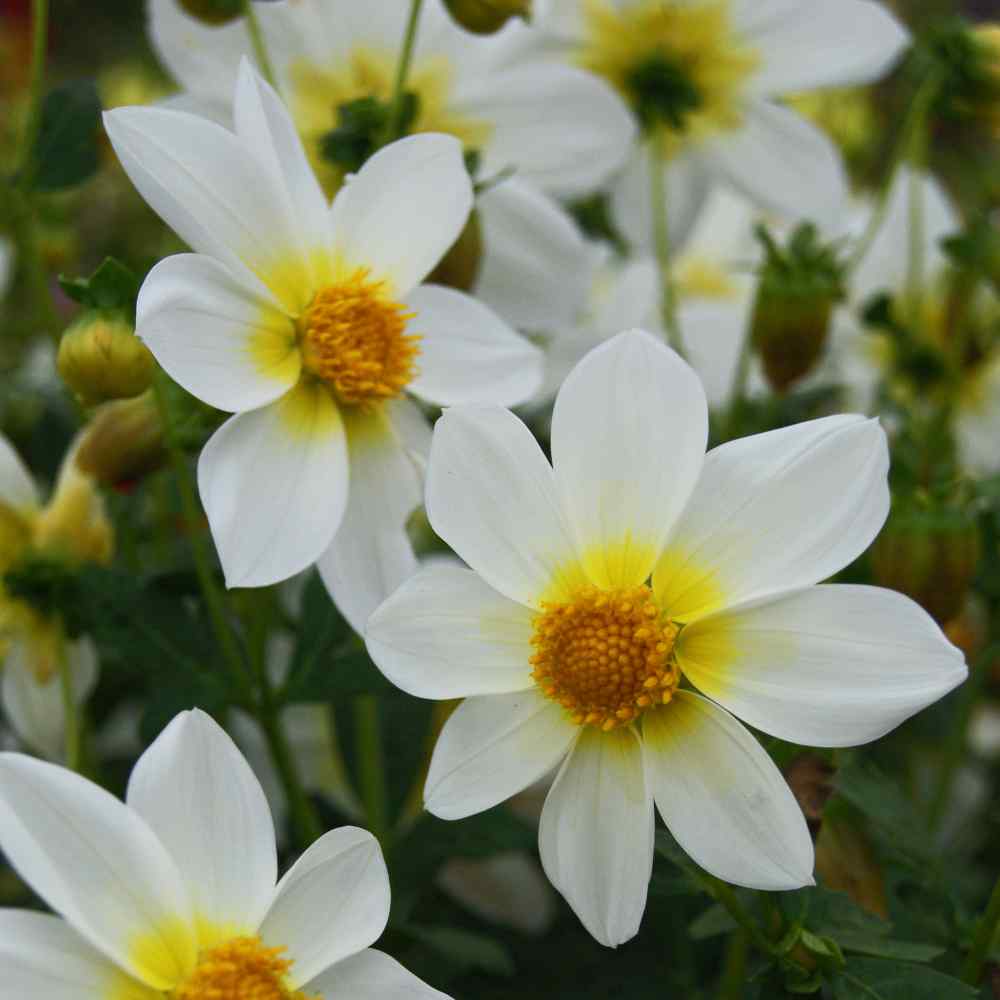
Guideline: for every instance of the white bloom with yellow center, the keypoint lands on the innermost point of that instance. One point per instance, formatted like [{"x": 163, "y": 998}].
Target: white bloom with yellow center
[
  {"x": 633, "y": 560},
  {"x": 72, "y": 527},
  {"x": 172, "y": 896},
  {"x": 704, "y": 78},
  {"x": 310, "y": 323},
  {"x": 863, "y": 356}
]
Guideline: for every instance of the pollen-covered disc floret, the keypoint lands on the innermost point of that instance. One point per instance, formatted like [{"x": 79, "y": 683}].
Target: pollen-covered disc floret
[
  {"x": 605, "y": 655},
  {"x": 354, "y": 338},
  {"x": 240, "y": 969}
]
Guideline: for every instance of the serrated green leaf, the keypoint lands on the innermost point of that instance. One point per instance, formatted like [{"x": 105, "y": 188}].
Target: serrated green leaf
[
  {"x": 65, "y": 152},
  {"x": 876, "y": 979}
]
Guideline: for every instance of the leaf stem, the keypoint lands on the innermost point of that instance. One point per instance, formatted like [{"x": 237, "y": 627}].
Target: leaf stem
[
  {"x": 724, "y": 894},
  {"x": 71, "y": 717},
  {"x": 396, "y": 108},
  {"x": 661, "y": 242},
  {"x": 257, "y": 42},
  {"x": 371, "y": 767},
  {"x": 735, "y": 967}
]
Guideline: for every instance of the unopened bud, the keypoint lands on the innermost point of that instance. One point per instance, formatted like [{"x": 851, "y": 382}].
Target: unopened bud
[
  {"x": 213, "y": 11},
  {"x": 100, "y": 358},
  {"x": 799, "y": 287},
  {"x": 484, "y": 17},
  {"x": 459, "y": 267},
  {"x": 122, "y": 442},
  {"x": 931, "y": 553}
]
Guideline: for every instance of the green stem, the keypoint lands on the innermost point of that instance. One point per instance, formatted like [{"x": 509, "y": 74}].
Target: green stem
[
  {"x": 371, "y": 766},
  {"x": 305, "y": 822},
  {"x": 734, "y": 969},
  {"x": 661, "y": 241},
  {"x": 36, "y": 84},
  {"x": 394, "y": 126},
  {"x": 915, "y": 269},
  {"x": 214, "y": 599},
  {"x": 724, "y": 894},
  {"x": 257, "y": 42},
  {"x": 986, "y": 930},
  {"x": 738, "y": 390},
  {"x": 71, "y": 716},
  {"x": 32, "y": 262}
]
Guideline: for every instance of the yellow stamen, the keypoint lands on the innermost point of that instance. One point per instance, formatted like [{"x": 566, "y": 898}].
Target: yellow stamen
[
  {"x": 354, "y": 338},
  {"x": 600, "y": 654},
  {"x": 239, "y": 969}
]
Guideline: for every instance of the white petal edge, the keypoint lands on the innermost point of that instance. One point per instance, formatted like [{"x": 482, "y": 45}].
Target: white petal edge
[
  {"x": 832, "y": 666},
  {"x": 493, "y": 747},
  {"x": 17, "y": 488},
  {"x": 596, "y": 833},
  {"x": 723, "y": 798},
  {"x": 371, "y": 975},
  {"x": 446, "y": 634}
]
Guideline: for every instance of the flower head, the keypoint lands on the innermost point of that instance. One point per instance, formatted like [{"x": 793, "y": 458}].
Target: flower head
[
  {"x": 310, "y": 323},
  {"x": 606, "y": 586},
  {"x": 173, "y": 893}
]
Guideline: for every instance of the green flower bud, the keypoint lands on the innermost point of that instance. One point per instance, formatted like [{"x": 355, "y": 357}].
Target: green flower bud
[
  {"x": 484, "y": 17},
  {"x": 100, "y": 358},
  {"x": 123, "y": 442},
  {"x": 930, "y": 552},
  {"x": 799, "y": 287}
]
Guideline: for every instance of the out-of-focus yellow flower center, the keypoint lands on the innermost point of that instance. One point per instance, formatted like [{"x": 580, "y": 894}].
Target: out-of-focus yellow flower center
[
  {"x": 700, "y": 278},
  {"x": 679, "y": 64},
  {"x": 318, "y": 91},
  {"x": 354, "y": 338},
  {"x": 605, "y": 655},
  {"x": 239, "y": 969}
]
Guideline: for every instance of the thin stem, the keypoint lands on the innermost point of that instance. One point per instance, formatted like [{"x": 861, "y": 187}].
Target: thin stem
[
  {"x": 257, "y": 42},
  {"x": 371, "y": 766},
  {"x": 738, "y": 389},
  {"x": 661, "y": 240},
  {"x": 915, "y": 269},
  {"x": 734, "y": 970},
  {"x": 36, "y": 84},
  {"x": 305, "y": 822},
  {"x": 972, "y": 970},
  {"x": 36, "y": 275},
  {"x": 214, "y": 599},
  {"x": 394, "y": 127},
  {"x": 71, "y": 716},
  {"x": 724, "y": 894}
]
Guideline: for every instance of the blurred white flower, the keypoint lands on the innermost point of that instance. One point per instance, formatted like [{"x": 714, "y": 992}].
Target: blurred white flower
[
  {"x": 174, "y": 892},
  {"x": 310, "y": 323},
  {"x": 598, "y": 580}
]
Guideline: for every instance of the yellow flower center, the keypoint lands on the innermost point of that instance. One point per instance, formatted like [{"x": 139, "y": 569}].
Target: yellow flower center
[
  {"x": 317, "y": 92},
  {"x": 354, "y": 338},
  {"x": 681, "y": 65},
  {"x": 239, "y": 969},
  {"x": 605, "y": 656}
]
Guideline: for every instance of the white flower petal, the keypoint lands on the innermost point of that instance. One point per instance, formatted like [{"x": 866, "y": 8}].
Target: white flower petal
[
  {"x": 722, "y": 797},
  {"x": 96, "y": 862},
  {"x": 491, "y": 496},
  {"x": 783, "y": 163},
  {"x": 596, "y": 833},
  {"x": 274, "y": 485},
  {"x": 218, "y": 333},
  {"x": 214, "y": 192},
  {"x": 43, "y": 958},
  {"x": 828, "y": 666},
  {"x": 446, "y": 634},
  {"x": 35, "y": 710},
  {"x": 262, "y": 121},
  {"x": 467, "y": 353},
  {"x": 493, "y": 747},
  {"x": 629, "y": 430},
  {"x": 332, "y": 903},
  {"x": 571, "y": 149},
  {"x": 535, "y": 264},
  {"x": 371, "y": 554},
  {"x": 775, "y": 512},
  {"x": 372, "y": 975},
  {"x": 17, "y": 488},
  {"x": 404, "y": 209},
  {"x": 713, "y": 335},
  {"x": 196, "y": 790},
  {"x": 805, "y": 44}
]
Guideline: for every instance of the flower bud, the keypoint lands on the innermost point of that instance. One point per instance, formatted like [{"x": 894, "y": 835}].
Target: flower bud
[
  {"x": 459, "y": 267},
  {"x": 213, "y": 11},
  {"x": 100, "y": 358},
  {"x": 485, "y": 17},
  {"x": 799, "y": 287},
  {"x": 930, "y": 553},
  {"x": 123, "y": 442}
]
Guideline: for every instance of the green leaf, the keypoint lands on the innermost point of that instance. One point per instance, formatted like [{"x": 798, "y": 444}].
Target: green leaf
[
  {"x": 713, "y": 922},
  {"x": 905, "y": 951},
  {"x": 875, "y": 979},
  {"x": 111, "y": 286},
  {"x": 466, "y": 949},
  {"x": 65, "y": 153}
]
